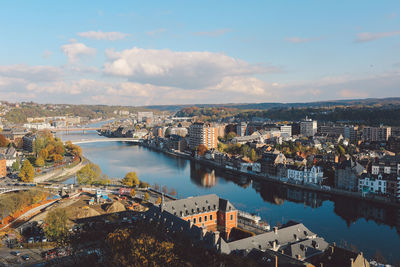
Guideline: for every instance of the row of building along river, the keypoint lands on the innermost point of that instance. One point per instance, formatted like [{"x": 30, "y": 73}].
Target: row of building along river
[{"x": 366, "y": 226}]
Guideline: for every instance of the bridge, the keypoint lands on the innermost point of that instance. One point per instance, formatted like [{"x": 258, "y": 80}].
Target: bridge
[
  {"x": 8, "y": 189},
  {"x": 96, "y": 140}
]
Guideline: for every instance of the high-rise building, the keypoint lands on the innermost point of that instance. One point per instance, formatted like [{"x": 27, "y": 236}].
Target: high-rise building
[
  {"x": 308, "y": 127},
  {"x": 202, "y": 134},
  {"x": 350, "y": 133},
  {"x": 241, "y": 129},
  {"x": 375, "y": 134}
]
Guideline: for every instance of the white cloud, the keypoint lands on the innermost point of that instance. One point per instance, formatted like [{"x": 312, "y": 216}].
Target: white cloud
[
  {"x": 368, "y": 37},
  {"x": 75, "y": 50},
  {"x": 31, "y": 73},
  {"x": 99, "y": 35},
  {"x": 187, "y": 70},
  {"x": 156, "y": 32},
  {"x": 47, "y": 54},
  {"x": 299, "y": 40},
  {"x": 214, "y": 33}
]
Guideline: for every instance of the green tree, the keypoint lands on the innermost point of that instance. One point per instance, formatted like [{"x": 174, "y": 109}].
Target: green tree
[
  {"x": 39, "y": 162},
  {"x": 27, "y": 172},
  {"x": 89, "y": 174},
  {"x": 15, "y": 166},
  {"x": 131, "y": 179},
  {"x": 38, "y": 145},
  {"x": 56, "y": 226},
  {"x": 230, "y": 136}
]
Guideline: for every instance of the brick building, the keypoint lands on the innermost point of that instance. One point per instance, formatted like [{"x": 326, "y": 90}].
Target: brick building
[{"x": 209, "y": 211}]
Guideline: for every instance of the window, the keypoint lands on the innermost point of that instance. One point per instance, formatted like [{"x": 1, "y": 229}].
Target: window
[
  {"x": 199, "y": 219},
  {"x": 205, "y": 218},
  {"x": 231, "y": 217},
  {"x": 194, "y": 220},
  {"x": 210, "y": 217}
]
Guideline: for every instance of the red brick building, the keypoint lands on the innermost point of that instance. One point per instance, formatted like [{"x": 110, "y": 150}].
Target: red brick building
[{"x": 209, "y": 211}]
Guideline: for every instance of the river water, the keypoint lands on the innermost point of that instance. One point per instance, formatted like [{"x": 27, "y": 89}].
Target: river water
[{"x": 365, "y": 226}]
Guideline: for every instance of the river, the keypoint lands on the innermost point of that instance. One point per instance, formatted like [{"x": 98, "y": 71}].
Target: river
[{"x": 365, "y": 226}]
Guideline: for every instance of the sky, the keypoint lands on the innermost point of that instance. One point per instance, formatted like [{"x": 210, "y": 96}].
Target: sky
[{"x": 198, "y": 52}]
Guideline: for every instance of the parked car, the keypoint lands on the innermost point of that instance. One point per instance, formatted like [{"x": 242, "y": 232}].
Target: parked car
[
  {"x": 25, "y": 257},
  {"x": 30, "y": 240},
  {"x": 16, "y": 253}
]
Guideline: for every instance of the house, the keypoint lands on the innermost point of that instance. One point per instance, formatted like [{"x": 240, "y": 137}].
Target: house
[
  {"x": 346, "y": 175},
  {"x": 369, "y": 183},
  {"x": 208, "y": 211},
  {"x": 305, "y": 175},
  {"x": 337, "y": 256},
  {"x": 270, "y": 160}
]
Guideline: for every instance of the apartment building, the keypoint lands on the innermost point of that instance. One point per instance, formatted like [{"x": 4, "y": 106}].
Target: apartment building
[
  {"x": 308, "y": 127},
  {"x": 202, "y": 134},
  {"x": 376, "y": 134},
  {"x": 3, "y": 166}
]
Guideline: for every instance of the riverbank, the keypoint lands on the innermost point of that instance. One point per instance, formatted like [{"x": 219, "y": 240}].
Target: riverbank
[
  {"x": 258, "y": 177},
  {"x": 62, "y": 173}
]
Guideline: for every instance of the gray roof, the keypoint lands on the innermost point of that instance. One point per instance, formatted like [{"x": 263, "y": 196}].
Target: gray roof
[
  {"x": 195, "y": 205},
  {"x": 292, "y": 233},
  {"x": 306, "y": 248}
]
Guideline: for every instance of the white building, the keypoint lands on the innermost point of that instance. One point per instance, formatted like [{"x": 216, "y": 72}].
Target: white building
[
  {"x": 308, "y": 127},
  {"x": 37, "y": 126},
  {"x": 286, "y": 130},
  {"x": 241, "y": 129},
  {"x": 313, "y": 175},
  {"x": 374, "y": 185}
]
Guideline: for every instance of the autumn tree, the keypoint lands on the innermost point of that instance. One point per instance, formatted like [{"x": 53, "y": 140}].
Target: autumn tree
[
  {"x": 44, "y": 153},
  {"x": 89, "y": 174},
  {"x": 158, "y": 201},
  {"x": 57, "y": 158},
  {"x": 3, "y": 141},
  {"x": 39, "y": 162},
  {"x": 131, "y": 179},
  {"x": 133, "y": 193},
  {"x": 56, "y": 228},
  {"x": 27, "y": 172},
  {"x": 201, "y": 150},
  {"x": 146, "y": 196},
  {"x": 230, "y": 136},
  {"x": 253, "y": 155}
]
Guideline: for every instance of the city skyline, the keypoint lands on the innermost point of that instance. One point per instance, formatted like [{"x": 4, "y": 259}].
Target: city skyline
[{"x": 190, "y": 53}]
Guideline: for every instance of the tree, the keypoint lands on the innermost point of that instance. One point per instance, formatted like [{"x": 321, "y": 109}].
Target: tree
[
  {"x": 158, "y": 201},
  {"x": 89, "y": 174},
  {"x": 230, "y": 136},
  {"x": 146, "y": 196},
  {"x": 131, "y": 179},
  {"x": 38, "y": 145},
  {"x": 253, "y": 155},
  {"x": 201, "y": 150},
  {"x": 3, "y": 141},
  {"x": 39, "y": 162},
  {"x": 15, "y": 166},
  {"x": 27, "y": 172},
  {"x": 56, "y": 226},
  {"x": 143, "y": 185},
  {"x": 44, "y": 153},
  {"x": 57, "y": 158},
  {"x": 133, "y": 193}
]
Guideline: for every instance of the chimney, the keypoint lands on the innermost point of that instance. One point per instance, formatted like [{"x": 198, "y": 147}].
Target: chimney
[
  {"x": 332, "y": 248},
  {"x": 276, "y": 261},
  {"x": 191, "y": 224},
  {"x": 275, "y": 229},
  {"x": 351, "y": 262},
  {"x": 321, "y": 265}
]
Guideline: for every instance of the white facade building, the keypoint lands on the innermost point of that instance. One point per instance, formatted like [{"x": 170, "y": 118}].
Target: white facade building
[
  {"x": 369, "y": 184},
  {"x": 286, "y": 130},
  {"x": 313, "y": 175}
]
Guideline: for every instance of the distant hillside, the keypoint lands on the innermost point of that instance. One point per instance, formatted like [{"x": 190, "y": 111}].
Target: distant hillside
[{"x": 392, "y": 101}]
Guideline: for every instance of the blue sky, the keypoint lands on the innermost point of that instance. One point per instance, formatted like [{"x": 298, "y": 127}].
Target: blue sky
[{"x": 184, "y": 52}]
